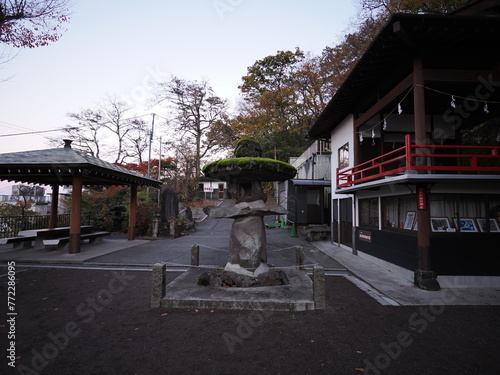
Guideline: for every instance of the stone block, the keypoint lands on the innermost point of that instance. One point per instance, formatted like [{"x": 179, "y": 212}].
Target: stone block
[
  {"x": 158, "y": 284},
  {"x": 319, "y": 290}
]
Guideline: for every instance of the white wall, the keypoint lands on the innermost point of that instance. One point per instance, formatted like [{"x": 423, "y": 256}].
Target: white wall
[{"x": 341, "y": 135}]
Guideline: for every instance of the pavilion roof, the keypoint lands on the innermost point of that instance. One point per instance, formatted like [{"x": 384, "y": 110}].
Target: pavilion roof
[{"x": 59, "y": 165}]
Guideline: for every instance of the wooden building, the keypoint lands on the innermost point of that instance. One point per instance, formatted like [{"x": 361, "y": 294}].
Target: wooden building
[{"x": 415, "y": 141}]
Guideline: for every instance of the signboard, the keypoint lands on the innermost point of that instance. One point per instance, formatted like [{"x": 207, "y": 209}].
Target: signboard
[
  {"x": 421, "y": 199},
  {"x": 208, "y": 190},
  {"x": 365, "y": 236}
]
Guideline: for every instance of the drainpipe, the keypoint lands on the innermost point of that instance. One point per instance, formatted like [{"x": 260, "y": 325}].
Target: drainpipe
[
  {"x": 354, "y": 220},
  {"x": 313, "y": 163}
]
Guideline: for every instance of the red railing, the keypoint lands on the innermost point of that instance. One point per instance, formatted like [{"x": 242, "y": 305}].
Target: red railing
[{"x": 427, "y": 158}]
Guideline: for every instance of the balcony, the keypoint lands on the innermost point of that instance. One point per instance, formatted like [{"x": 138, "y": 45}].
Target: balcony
[{"x": 421, "y": 160}]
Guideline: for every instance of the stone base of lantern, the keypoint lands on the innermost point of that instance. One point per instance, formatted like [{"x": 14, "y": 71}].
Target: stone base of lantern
[{"x": 298, "y": 295}]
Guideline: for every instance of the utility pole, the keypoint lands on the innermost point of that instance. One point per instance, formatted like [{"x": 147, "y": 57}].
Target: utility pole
[
  {"x": 159, "y": 174},
  {"x": 150, "y": 144}
]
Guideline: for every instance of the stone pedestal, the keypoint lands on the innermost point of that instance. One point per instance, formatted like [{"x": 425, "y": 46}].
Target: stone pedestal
[{"x": 247, "y": 243}]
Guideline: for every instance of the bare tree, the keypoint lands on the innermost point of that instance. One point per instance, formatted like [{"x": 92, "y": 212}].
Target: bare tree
[
  {"x": 196, "y": 110},
  {"x": 182, "y": 178},
  {"x": 138, "y": 139},
  {"x": 87, "y": 133},
  {"x": 114, "y": 112},
  {"x": 108, "y": 131}
]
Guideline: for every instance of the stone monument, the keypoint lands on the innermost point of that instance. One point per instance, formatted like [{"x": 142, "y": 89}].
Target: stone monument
[
  {"x": 246, "y": 282},
  {"x": 244, "y": 175}
]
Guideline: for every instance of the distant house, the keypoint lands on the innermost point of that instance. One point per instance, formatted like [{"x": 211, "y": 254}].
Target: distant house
[
  {"x": 307, "y": 197},
  {"x": 211, "y": 189},
  {"x": 28, "y": 194},
  {"x": 415, "y": 138}
]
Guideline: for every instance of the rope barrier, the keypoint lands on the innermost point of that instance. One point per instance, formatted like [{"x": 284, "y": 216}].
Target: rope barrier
[
  {"x": 208, "y": 266},
  {"x": 172, "y": 264}
]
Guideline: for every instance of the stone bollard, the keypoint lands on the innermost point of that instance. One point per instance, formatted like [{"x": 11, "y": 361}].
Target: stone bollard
[
  {"x": 156, "y": 226},
  {"x": 319, "y": 287},
  {"x": 195, "y": 255},
  {"x": 299, "y": 257},
  {"x": 158, "y": 285}
]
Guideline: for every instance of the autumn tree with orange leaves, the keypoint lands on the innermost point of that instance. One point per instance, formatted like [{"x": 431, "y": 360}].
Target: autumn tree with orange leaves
[{"x": 285, "y": 93}]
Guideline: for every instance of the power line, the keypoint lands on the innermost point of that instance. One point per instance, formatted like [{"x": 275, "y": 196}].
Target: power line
[
  {"x": 14, "y": 126},
  {"x": 34, "y": 132},
  {"x": 61, "y": 129}
]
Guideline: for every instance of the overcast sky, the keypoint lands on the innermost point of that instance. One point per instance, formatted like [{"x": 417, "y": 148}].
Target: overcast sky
[{"x": 118, "y": 48}]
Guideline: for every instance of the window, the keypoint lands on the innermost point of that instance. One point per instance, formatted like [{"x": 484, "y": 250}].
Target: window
[
  {"x": 368, "y": 212},
  {"x": 344, "y": 156},
  {"x": 399, "y": 212},
  {"x": 478, "y": 208}
]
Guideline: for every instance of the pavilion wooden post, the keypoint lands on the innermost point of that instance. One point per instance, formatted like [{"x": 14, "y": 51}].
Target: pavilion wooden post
[
  {"x": 424, "y": 277},
  {"x": 75, "y": 218},
  {"x": 132, "y": 214},
  {"x": 54, "y": 204}
]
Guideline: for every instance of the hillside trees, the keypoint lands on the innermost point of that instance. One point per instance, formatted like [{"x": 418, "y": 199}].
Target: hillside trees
[
  {"x": 384, "y": 8},
  {"x": 276, "y": 108},
  {"x": 285, "y": 93}
]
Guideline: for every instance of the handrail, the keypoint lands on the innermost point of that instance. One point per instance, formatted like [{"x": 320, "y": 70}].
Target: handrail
[{"x": 417, "y": 158}]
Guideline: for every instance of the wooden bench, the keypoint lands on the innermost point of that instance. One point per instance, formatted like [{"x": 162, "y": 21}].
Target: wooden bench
[
  {"x": 50, "y": 233},
  {"x": 92, "y": 237},
  {"x": 19, "y": 242},
  {"x": 318, "y": 234}
]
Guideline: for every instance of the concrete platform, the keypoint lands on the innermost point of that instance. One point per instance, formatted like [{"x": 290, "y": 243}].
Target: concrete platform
[
  {"x": 60, "y": 255},
  {"x": 184, "y": 292}
]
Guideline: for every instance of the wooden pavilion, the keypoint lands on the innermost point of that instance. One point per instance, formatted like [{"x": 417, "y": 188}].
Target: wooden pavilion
[{"x": 65, "y": 166}]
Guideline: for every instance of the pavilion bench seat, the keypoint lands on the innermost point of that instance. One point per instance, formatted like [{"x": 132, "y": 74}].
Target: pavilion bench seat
[
  {"x": 19, "y": 242},
  {"x": 92, "y": 237}
]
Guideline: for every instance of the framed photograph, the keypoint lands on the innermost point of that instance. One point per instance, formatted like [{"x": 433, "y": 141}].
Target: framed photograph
[
  {"x": 440, "y": 224},
  {"x": 466, "y": 225},
  {"x": 493, "y": 225},
  {"x": 410, "y": 219}
]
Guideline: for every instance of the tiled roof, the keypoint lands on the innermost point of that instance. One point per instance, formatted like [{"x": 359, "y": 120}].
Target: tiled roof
[{"x": 59, "y": 165}]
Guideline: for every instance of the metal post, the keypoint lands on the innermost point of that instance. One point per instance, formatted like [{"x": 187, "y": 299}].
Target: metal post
[{"x": 150, "y": 144}]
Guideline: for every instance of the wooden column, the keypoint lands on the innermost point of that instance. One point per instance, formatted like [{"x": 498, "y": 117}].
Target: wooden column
[
  {"x": 424, "y": 228},
  {"x": 132, "y": 214},
  {"x": 75, "y": 218},
  {"x": 425, "y": 278},
  {"x": 423, "y": 215},
  {"x": 54, "y": 204},
  {"x": 419, "y": 101}
]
